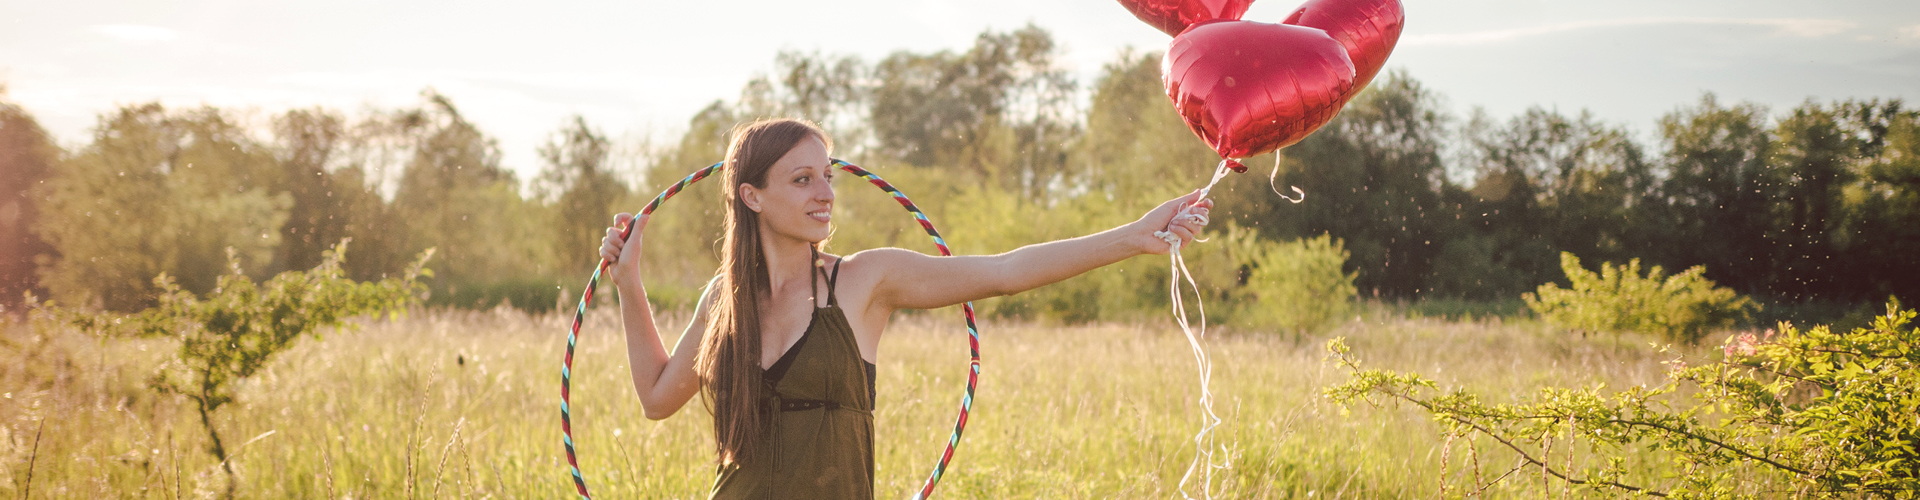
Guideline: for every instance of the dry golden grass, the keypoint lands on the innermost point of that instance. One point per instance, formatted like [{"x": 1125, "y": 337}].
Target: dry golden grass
[{"x": 465, "y": 404}]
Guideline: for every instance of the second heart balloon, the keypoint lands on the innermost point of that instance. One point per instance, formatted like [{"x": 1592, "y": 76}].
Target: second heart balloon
[
  {"x": 1248, "y": 88},
  {"x": 1367, "y": 28},
  {"x": 1174, "y": 16}
]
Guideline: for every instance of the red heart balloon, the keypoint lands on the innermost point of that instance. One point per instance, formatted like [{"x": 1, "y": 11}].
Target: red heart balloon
[
  {"x": 1367, "y": 28},
  {"x": 1174, "y": 16},
  {"x": 1248, "y": 88}
]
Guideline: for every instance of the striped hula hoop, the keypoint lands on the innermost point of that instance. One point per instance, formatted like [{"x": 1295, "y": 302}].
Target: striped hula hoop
[{"x": 586, "y": 298}]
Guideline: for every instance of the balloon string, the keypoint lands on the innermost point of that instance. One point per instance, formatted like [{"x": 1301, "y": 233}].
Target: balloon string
[
  {"x": 1203, "y": 441},
  {"x": 1275, "y": 176}
]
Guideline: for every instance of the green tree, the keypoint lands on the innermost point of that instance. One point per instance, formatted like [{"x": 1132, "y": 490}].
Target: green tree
[
  {"x": 582, "y": 188},
  {"x": 1000, "y": 111},
  {"x": 373, "y": 155},
  {"x": 27, "y": 157},
  {"x": 688, "y": 257},
  {"x": 1883, "y": 212},
  {"x": 1717, "y": 191},
  {"x": 828, "y": 90},
  {"x": 1546, "y": 183},
  {"x": 1812, "y": 167},
  {"x": 308, "y": 143},
  {"x": 105, "y": 255},
  {"x": 1376, "y": 177},
  {"x": 225, "y": 193},
  {"x": 158, "y": 193},
  {"x": 1869, "y": 217},
  {"x": 455, "y": 195},
  {"x": 1136, "y": 147},
  {"x": 1823, "y": 152}
]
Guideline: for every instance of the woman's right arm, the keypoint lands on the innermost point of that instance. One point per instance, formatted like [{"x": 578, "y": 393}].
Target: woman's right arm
[{"x": 665, "y": 381}]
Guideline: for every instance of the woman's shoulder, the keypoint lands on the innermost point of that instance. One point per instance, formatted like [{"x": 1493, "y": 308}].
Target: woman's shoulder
[
  {"x": 879, "y": 259},
  {"x": 866, "y": 268}
]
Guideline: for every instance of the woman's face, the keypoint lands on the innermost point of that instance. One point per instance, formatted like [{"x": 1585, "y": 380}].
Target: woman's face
[{"x": 798, "y": 200}]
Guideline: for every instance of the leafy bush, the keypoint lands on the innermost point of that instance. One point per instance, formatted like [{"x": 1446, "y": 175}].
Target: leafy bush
[
  {"x": 240, "y": 326},
  {"x": 1681, "y": 307},
  {"x": 1295, "y": 286},
  {"x": 1804, "y": 413}
]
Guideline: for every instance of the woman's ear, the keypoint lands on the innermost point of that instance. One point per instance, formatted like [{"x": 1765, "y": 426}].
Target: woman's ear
[{"x": 750, "y": 196}]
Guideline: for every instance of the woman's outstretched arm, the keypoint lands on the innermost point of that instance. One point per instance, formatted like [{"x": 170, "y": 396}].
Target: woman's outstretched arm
[
  {"x": 912, "y": 280},
  {"x": 664, "y": 381}
]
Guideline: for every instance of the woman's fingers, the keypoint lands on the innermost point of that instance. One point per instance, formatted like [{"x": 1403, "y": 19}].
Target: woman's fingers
[
  {"x": 1185, "y": 232},
  {"x": 1173, "y": 207},
  {"x": 622, "y": 245},
  {"x": 613, "y": 245},
  {"x": 1196, "y": 213},
  {"x": 1189, "y": 222}
]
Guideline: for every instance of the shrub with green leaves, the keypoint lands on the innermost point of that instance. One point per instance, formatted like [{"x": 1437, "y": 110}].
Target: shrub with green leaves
[
  {"x": 1682, "y": 307},
  {"x": 240, "y": 326},
  {"x": 1295, "y": 286},
  {"x": 1803, "y": 413}
]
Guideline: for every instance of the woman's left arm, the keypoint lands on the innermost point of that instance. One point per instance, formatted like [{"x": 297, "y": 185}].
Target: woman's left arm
[{"x": 912, "y": 280}]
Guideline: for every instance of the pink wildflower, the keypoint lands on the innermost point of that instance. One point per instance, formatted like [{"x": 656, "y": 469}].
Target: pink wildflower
[{"x": 1744, "y": 344}]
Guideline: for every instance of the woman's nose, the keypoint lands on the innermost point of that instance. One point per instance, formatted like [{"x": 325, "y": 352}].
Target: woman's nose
[{"x": 824, "y": 192}]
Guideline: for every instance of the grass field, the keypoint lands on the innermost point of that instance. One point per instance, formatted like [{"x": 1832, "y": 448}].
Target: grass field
[{"x": 446, "y": 404}]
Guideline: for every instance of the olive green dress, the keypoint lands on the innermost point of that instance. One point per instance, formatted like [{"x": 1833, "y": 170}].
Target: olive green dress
[{"x": 820, "y": 443}]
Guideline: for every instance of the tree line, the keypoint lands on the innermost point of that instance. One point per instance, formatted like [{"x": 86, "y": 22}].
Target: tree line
[{"x": 1003, "y": 146}]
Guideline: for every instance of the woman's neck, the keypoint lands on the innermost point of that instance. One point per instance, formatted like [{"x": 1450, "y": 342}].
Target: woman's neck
[{"x": 789, "y": 260}]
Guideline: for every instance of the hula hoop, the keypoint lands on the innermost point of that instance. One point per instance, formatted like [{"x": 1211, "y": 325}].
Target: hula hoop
[{"x": 579, "y": 314}]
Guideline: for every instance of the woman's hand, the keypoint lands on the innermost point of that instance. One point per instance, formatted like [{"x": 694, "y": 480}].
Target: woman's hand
[
  {"x": 1183, "y": 216},
  {"x": 623, "y": 256}
]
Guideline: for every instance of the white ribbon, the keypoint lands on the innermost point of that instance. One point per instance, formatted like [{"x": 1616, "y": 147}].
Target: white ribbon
[{"x": 1203, "y": 442}]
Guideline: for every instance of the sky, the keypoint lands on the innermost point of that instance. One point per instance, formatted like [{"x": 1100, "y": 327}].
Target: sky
[{"x": 642, "y": 68}]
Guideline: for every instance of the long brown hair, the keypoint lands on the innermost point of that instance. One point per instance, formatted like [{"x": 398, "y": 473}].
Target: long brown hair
[{"x": 729, "y": 361}]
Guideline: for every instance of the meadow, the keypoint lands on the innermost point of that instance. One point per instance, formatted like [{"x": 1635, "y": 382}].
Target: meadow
[{"x": 464, "y": 404}]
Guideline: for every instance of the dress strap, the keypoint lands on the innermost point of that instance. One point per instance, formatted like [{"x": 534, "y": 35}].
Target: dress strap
[
  {"x": 831, "y": 279},
  {"x": 814, "y": 265}
]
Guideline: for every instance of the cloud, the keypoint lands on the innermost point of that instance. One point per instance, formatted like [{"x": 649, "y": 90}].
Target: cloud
[
  {"x": 136, "y": 33},
  {"x": 1804, "y": 28},
  {"x": 1911, "y": 33}
]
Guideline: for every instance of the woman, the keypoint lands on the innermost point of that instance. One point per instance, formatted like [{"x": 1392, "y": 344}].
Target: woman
[{"x": 788, "y": 370}]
